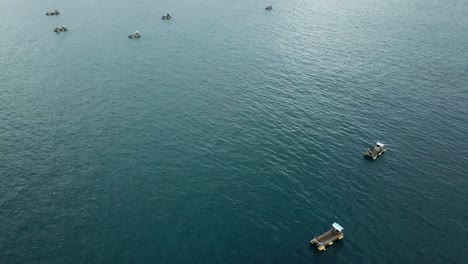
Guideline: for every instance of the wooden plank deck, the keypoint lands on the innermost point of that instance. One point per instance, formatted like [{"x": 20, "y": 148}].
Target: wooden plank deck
[{"x": 330, "y": 235}]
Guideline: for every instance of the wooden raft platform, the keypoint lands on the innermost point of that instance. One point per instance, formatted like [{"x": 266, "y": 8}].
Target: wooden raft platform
[
  {"x": 376, "y": 151},
  {"x": 327, "y": 238}
]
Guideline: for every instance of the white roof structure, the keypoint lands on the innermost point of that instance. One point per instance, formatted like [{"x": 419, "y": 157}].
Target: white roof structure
[
  {"x": 380, "y": 144},
  {"x": 337, "y": 227}
]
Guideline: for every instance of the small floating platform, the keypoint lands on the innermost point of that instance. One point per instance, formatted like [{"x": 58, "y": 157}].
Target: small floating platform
[
  {"x": 60, "y": 29},
  {"x": 269, "y": 8},
  {"x": 376, "y": 151},
  {"x": 136, "y": 35},
  {"x": 53, "y": 13},
  {"x": 166, "y": 17},
  {"x": 327, "y": 238}
]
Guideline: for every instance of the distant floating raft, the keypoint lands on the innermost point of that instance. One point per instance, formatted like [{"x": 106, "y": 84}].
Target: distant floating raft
[
  {"x": 376, "y": 151},
  {"x": 136, "y": 35},
  {"x": 53, "y": 13},
  {"x": 60, "y": 29},
  {"x": 327, "y": 238}
]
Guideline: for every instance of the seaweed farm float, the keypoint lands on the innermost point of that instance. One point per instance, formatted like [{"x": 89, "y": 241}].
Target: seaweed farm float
[{"x": 327, "y": 238}]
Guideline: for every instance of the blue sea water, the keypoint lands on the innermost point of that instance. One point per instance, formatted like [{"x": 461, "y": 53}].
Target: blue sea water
[{"x": 231, "y": 134}]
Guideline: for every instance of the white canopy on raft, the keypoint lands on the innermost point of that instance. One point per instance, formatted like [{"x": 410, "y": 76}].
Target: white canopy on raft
[{"x": 337, "y": 227}]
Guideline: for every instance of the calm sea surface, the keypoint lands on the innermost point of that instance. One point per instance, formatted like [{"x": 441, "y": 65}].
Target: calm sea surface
[{"x": 231, "y": 134}]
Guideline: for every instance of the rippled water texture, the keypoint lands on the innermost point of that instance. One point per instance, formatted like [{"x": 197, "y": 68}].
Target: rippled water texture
[{"x": 231, "y": 134}]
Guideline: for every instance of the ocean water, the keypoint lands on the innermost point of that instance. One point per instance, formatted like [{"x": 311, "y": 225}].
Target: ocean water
[{"x": 231, "y": 134}]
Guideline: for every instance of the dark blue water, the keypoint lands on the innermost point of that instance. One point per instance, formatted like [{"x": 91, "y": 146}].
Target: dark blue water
[{"x": 232, "y": 134}]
